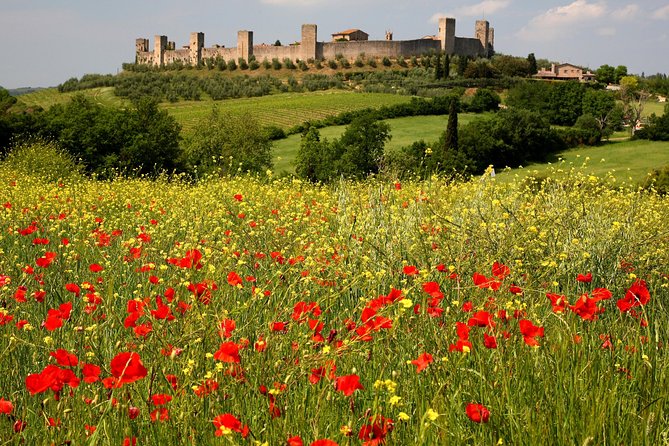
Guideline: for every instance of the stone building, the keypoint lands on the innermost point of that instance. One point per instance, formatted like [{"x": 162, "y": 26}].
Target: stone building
[
  {"x": 355, "y": 42},
  {"x": 565, "y": 72},
  {"x": 349, "y": 35}
]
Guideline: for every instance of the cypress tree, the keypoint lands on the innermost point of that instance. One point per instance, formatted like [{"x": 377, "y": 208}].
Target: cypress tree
[
  {"x": 446, "y": 72},
  {"x": 452, "y": 128},
  {"x": 438, "y": 69}
]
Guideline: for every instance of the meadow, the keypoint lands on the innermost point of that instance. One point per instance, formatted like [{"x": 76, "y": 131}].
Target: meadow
[
  {"x": 269, "y": 311},
  {"x": 404, "y": 131}
]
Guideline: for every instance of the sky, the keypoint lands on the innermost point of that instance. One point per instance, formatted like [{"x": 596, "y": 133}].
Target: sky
[{"x": 46, "y": 42}]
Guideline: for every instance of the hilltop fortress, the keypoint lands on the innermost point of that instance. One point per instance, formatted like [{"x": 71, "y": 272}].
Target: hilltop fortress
[{"x": 349, "y": 44}]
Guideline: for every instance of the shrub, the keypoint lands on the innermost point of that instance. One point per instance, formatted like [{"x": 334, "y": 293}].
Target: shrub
[
  {"x": 276, "y": 64},
  {"x": 232, "y": 65},
  {"x": 658, "y": 179},
  {"x": 332, "y": 64},
  {"x": 43, "y": 159},
  {"x": 386, "y": 62}
]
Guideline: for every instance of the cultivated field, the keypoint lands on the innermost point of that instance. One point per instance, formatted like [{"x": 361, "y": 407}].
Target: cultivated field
[{"x": 263, "y": 311}]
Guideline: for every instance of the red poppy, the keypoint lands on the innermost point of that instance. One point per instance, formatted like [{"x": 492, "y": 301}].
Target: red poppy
[
  {"x": 91, "y": 373},
  {"x": 422, "y": 362},
  {"x": 161, "y": 414},
  {"x": 584, "y": 278},
  {"x": 375, "y": 433},
  {"x": 530, "y": 332},
  {"x": 228, "y": 352},
  {"x": 348, "y": 384},
  {"x": 55, "y": 318},
  {"x": 484, "y": 282},
  {"x": 481, "y": 319},
  {"x": 489, "y": 341},
  {"x": 478, "y": 413},
  {"x": 95, "y": 268},
  {"x": 410, "y": 270},
  {"x": 324, "y": 442},
  {"x": 295, "y": 441},
  {"x": 462, "y": 330},
  {"x": 234, "y": 279},
  {"x": 586, "y": 308},
  {"x": 432, "y": 288},
  {"x": 127, "y": 368},
  {"x": 46, "y": 260},
  {"x": 6, "y": 407},
  {"x": 160, "y": 399},
  {"x": 636, "y": 295},
  {"x": 500, "y": 270},
  {"x": 227, "y": 326},
  {"x": 460, "y": 346},
  {"x": 65, "y": 358},
  {"x": 229, "y": 423},
  {"x": 559, "y": 302}
]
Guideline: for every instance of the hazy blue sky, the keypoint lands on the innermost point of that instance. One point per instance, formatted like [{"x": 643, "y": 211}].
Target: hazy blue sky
[{"x": 45, "y": 42}]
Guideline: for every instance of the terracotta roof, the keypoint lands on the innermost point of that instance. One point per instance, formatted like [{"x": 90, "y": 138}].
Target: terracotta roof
[{"x": 348, "y": 31}]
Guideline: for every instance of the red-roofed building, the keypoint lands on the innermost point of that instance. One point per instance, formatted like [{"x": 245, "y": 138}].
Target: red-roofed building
[
  {"x": 350, "y": 35},
  {"x": 565, "y": 72}
]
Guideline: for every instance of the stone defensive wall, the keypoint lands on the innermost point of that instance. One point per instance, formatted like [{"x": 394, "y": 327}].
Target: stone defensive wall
[{"x": 165, "y": 52}]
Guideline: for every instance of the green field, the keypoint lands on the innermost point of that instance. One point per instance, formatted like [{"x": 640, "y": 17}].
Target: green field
[
  {"x": 627, "y": 161},
  {"x": 284, "y": 110},
  {"x": 404, "y": 132},
  {"x": 51, "y": 96}
]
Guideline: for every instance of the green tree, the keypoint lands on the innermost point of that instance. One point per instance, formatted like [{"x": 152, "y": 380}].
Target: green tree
[
  {"x": 6, "y": 101},
  {"x": 446, "y": 72},
  {"x": 362, "y": 145},
  {"x": 530, "y": 95},
  {"x": 438, "y": 68},
  {"x": 565, "y": 102},
  {"x": 532, "y": 61},
  {"x": 228, "y": 143},
  {"x": 153, "y": 144},
  {"x": 484, "y": 99},
  {"x": 451, "y": 137},
  {"x": 606, "y": 74},
  {"x": 620, "y": 72},
  {"x": 599, "y": 104}
]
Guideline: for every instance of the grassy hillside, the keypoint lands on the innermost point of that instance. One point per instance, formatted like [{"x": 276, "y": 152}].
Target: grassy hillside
[
  {"x": 51, "y": 96},
  {"x": 627, "y": 161},
  {"x": 404, "y": 132}
]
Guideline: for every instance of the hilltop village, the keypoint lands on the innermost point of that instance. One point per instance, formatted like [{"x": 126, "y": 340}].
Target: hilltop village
[{"x": 349, "y": 44}]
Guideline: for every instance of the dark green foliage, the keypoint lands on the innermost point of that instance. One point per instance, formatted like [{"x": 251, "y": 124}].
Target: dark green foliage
[
  {"x": 606, "y": 74},
  {"x": 657, "y": 128},
  {"x": 463, "y": 61},
  {"x": 276, "y": 64},
  {"x": 530, "y": 95},
  {"x": 532, "y": 62},
  {"x": 600, "y": 104},
  {"x": 243, "y": 65},
  {"x": 143, "y": 139},
  {"x": 565, "y": 102},
  {"x": 358, "y": 153},
  {"x": 511, "y": 138},
  {"x": 232, "y": 65},
  {"x": 6, "y": 101},
  {"x": 512, "y": 66},
  {"x": 484, "y": 99},
  {"x": 288, "y": 63},
  {"x": 658, "y": 179},
  {"x": 228, "y": 144},
  {"x": 359, "y": 62},
  {"x": 438, "y": 68},
  {"x": 386, "y": 62},
  {"x": 332, "y": 64},
  {"x": 446, "y": 70},
  {"x": 451, "y": 137},
  {"x": 481, "y": 68}
]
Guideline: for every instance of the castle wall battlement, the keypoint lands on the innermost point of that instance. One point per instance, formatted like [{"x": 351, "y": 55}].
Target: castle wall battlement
[{"x": 309, "y": 48}]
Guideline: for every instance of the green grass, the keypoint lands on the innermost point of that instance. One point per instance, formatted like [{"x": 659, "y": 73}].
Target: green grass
[
  {"x": 404, "y": 132},
  {"x": 628, "y": 161}
]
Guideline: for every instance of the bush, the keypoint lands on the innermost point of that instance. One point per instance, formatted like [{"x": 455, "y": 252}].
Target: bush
[
  {"x": 42, "y": 159},
  {"x": 386, "y": 62},
  {"x": 332, "y": 64},
  {"x": 658, "y": 179},
  {"x": 276, "y": 64},
  {"x": 232, "y": 65},
  {"x": 484, "y": 99}
]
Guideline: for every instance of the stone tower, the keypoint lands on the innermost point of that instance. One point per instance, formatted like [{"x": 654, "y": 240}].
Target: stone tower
[
  {"x": 483, "y": 35},
  {"x": 159, "y": 47},
  {"x": 141, "y": 45},
  {"x": 195, "y": 46},
  {"x": 244, "y": 44},
  {"x": 389, "y": 35},
  {"x": 447, "y": 34},
  {"x": 308, "y": 43}
]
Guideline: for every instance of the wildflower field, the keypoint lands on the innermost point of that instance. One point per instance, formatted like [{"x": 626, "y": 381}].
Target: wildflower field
[{"x": 270, "y": 311}]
